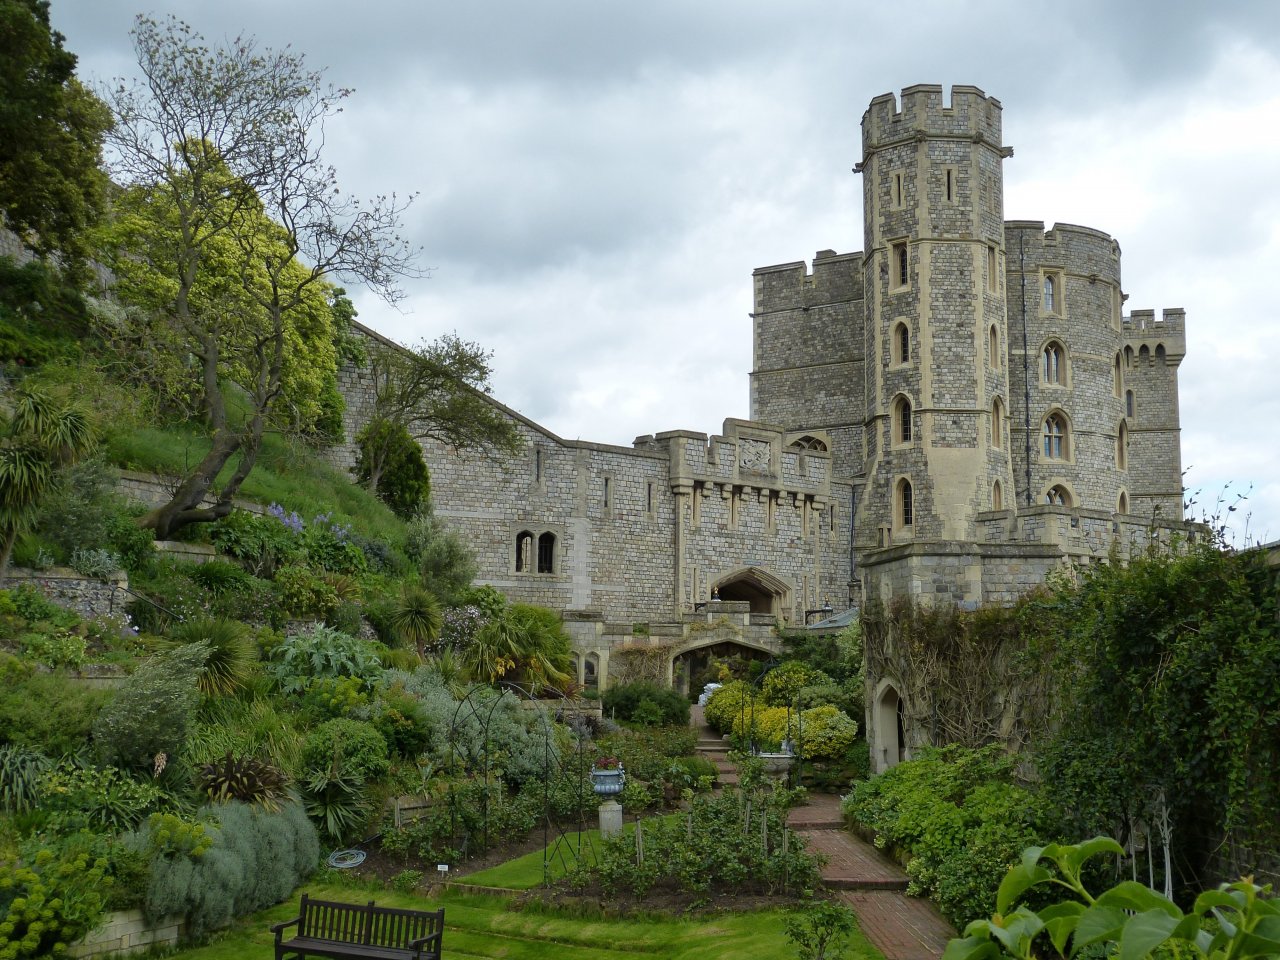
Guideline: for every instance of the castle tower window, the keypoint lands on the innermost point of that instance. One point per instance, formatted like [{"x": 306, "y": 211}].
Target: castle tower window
[
  {"x": 1056, "y": 445},
  {"x": 902, "y": 430},
  {"x": 949, "y": 184},
  {"x": 1129, "y": 405},
  {"x": 606, "y": 493},
  {"x": 993, "y": 346},
  {"x": 993, "y": 279},
  {"x": 899, "y": 265},
  {"x": 1050, "y": 293},
  {"x": 537, "y": 465},
  {"x": 1118, "y": 378},
  {"x": 547, "y": 553},
  {"x": 997, "y": 496},
  {"x": 1057, "y": 496},
  {"x": 1122, "y": 447},
  {"x": 524, "y": 551},
  {"x": 1122, "y": 504},
  {"x": 897, "y": 191},
  {"x": 904, "y": 512},
  {"x": 1159, "y": 353},
  {"x": 901, "y": 344},
  {"x": 1055, "y": 364},
  {"x": 997, "y": 423}
]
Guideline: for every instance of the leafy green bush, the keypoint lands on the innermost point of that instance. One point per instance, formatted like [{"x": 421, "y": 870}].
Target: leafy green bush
[
  {"x": 261, "y": 543},
  {"x": 305, "y": 592},
  {"x": 87, "y": 797},
  {"x": 823, "y": 733},
  {"x": 783, "y": 684},
  {"x": 57, "y": 649},
  {"x": 647, "y": 704},
  {"x": 346, "y": 748},
  {"x": 959, "y": 816},
  {"x": 445, "y": 562},
  {"x": 256, "y": 859},
  {"x": 327, "y": 698},
  {"x": 48, "y": 901},
  {"x": 322, "y": 652},
  {"x": 403, "y": 483},
  {"x": 45, "y": 711},
  {"x": 152, "y": 710},
  {"x": 726, "y": 705}
]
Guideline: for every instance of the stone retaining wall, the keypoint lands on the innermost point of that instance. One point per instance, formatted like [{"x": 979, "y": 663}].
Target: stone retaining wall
[
  {"x": 126, "y": 932},
  {"x": 87, "y": 596}
]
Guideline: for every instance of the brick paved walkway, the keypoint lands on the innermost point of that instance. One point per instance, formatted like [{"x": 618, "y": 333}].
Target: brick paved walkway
[{"x": 900, "y": 927}]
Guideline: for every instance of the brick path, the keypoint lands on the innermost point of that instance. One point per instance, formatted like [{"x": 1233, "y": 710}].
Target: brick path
[{"x": 900, "y": 927}]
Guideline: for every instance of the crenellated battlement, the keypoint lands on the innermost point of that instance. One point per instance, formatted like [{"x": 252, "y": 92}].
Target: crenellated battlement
[
  {"x": 924, "y": 111},
  {"x": 834, "y": 277},
  {"x": 1168, "y": 330}
]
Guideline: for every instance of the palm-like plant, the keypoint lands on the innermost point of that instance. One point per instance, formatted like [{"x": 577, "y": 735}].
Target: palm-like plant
[
  {"x": 40, "y": 436},
  {"x": 524, "y": 642},
  {"x": 417, "y": 618},
  {"x": 231, "y": 653}
]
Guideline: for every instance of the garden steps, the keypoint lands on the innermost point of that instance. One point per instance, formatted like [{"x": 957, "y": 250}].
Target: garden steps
[{"x": 900, "y": 927}]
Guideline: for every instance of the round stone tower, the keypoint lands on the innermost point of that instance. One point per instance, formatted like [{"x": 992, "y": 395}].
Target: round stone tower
[{"x": 936, "y": 336}]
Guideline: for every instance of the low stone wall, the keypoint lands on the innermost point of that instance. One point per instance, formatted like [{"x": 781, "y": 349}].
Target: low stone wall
[
  {"x": 126, "y": 932},
  {"x": 87, "y": 596},
  {"x": 190, "y": 552},
  {"x": 152, "y": 491}
]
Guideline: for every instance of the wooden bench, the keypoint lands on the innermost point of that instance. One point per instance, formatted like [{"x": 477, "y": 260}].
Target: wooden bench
[{"x": 327, "y": 928}]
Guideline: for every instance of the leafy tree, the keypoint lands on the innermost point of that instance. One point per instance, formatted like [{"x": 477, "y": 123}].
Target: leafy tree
[
  {"x": 51, "y": 129},
  {"x": 242, "y": 221},
  {"x": 443, "y": 558},
  {"x": 435, "y": 391},
  {"x": 402, "y": 479},
  {"x": 40, "y": 436},
  {"x": 524, "y": 643}
]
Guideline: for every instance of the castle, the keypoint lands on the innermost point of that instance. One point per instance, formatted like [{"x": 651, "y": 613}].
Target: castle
[{"x": 952, "y": 413}]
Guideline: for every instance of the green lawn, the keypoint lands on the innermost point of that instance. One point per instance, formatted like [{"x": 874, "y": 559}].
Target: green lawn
[{"x": 485, "y": 926}]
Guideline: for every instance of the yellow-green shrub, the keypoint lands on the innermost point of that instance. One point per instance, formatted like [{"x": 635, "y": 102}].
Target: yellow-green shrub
[{"x": 828, "y": 733}]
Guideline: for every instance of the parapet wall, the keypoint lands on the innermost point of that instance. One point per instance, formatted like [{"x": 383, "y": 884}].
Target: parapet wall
[{"x": 971, "y": 113}]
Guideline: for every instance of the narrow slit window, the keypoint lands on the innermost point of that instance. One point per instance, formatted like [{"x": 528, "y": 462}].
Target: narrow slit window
[
  {"x": 951, "y": 185},
  {"x": 547, "y": 553}
]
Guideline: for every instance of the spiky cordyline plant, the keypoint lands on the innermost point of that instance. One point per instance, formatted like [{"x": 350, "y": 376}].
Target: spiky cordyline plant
[{"x": 245, "y": 779}]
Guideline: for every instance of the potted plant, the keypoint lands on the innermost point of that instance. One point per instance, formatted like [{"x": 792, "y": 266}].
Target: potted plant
[{"x": 607, "y": 776}]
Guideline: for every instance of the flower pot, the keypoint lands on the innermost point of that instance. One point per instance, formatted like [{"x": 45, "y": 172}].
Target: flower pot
[{"x": 607, "y": 782}]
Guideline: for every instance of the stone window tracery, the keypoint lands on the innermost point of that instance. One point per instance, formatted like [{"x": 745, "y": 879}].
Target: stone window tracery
[
  {"x": 904, "y": 512},
  {"x": 901, "y": 343},
  {"x": 524, "y": 551},
  {"x": 1054, "y": 364},
  {"x": 1057, "y": 496},
  {"x": 899, "y": 265},
  {"x": 902, "y": 428},
  {"x": 1056, "y": 445}
]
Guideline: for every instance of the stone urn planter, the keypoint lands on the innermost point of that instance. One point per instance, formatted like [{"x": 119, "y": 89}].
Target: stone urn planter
[
  {"x": 608, "y": 782},
  {"x": 776, "y": 764}
]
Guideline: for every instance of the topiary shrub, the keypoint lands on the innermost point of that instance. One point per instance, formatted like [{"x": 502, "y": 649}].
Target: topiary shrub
[{"x": 646, "y": 704}]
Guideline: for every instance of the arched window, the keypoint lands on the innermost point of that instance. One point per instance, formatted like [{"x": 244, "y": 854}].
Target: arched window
[
  {"x": 1128, "y": 358},
  {"x": 901, "y": 343},
  {"x": 902, "y": 432},
  {"x": 1050, "y": 293},
  {"x": 1056, "y": 446},
  {"x": 809, "y": 443},
  {"x": 993, "y": 347},
  {"x": 547, "y": 553},
  {"x": 1122, "y": 504},
  {"x": 997, "y": 423},
  {"x": 524, "y": 552},
  {"x": 1144, "y": 354},
  {"x": 1159, "y": 353},
  {"x": 1055, "y": 364},
  {"x": 1118, "y": 384},
  {"x": 997, "y": 496},
  {"x": 1057, "y": 496},
  {"x": 1129, "y": 405},
  {"x": 591, "y": 671},
  {"x": 1122, "y": 447},
  {"x": 904, "y": 504}
]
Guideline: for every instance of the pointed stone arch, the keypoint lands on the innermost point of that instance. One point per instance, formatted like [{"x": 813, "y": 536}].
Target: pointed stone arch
[
  {"x": 889, "y": 727},
  {"x": 766, "y": 592}
]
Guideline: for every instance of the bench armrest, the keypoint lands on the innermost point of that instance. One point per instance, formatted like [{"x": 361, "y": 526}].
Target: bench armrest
[
  {"x": 276, "y": 928},
  {"x": 427, "y": 946}
]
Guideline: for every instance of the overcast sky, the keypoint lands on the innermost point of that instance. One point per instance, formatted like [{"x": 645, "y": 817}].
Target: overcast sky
[{"x": 597, "y": 180}]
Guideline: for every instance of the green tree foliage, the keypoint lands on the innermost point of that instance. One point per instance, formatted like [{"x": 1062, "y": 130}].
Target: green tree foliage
[
  {"x": 444, "y": 560},
  {"x": 525, "y": 644},
  {"x": 436, "y": 391},
  {"x": 48, "y": 900},
  {"x": 417, "y": 618},
  {"x": 221, "y": 152},
  {"x": 152, "y": 711},
  {"x": 40, "y": 436},
  {"x": 390, "y": 463},
  {"x": 51, "y": 129},
  {"x": 646, "y": 704},
  {"x": 1169, "y": 703},
  {"x": 819, "y": 932}
]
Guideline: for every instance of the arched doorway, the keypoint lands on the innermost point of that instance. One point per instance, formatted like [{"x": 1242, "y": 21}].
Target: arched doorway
[
  {"x": 890, "y": 728},
  {"x": 695, "y": 664},
  {"x": 765, "y": 592}
]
